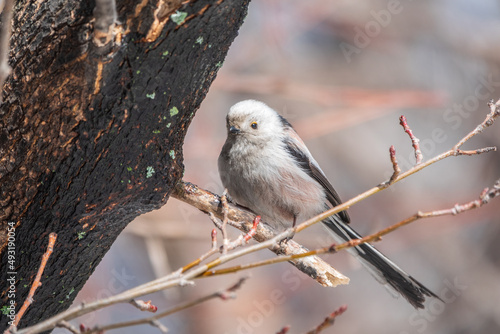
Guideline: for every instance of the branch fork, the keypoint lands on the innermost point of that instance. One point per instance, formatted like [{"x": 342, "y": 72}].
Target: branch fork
[{"x": 305, "y": 260}]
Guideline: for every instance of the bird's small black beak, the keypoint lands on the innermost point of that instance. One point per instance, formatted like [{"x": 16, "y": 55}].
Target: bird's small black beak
[{"x": 234, "y": 130}]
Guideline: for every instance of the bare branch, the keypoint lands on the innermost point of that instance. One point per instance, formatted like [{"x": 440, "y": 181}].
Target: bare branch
[
  {"x": 328, "y": 322},
  {"x": 253, "y": 230},
  {"x": 224, "y": 294},
  {"x": 284, "y": 258},
  {"x": 490, "y": 119},
  {"x": 211, "y": 252},
  {"x": 208, "y": 202},
  {"x": 455, "y": 151},
  {"x": 144, "y": 306},
  {"x": 414, "y": 140},
  {"x": 36, "y": 283},
  {"x": 178, "y": 278},
  {"x": 68, "y": 326},
  {"x": 225, "y": 209},
  {"x": 395, "y": 168},
  {"x": 242, "y": 239},
  {"x": 159, "y": 325},
  {"x": 486, "y": 196}
]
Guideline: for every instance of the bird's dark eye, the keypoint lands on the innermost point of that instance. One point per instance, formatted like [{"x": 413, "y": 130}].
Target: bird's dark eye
[{"x": 254, "y": 125}]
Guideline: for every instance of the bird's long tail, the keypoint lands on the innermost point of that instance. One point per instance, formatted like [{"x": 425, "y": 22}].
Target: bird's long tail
[{"x": 384, "y": 270}]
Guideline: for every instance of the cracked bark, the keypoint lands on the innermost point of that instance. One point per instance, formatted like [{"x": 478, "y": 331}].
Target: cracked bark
[{"x": 91, "y": 133}]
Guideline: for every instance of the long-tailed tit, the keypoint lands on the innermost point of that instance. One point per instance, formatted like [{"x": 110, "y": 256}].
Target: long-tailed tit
[{"x": 267, "y": 168}]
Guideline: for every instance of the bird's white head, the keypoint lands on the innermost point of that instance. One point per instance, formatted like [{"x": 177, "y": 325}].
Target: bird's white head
[{"x": 254, "y": 121}]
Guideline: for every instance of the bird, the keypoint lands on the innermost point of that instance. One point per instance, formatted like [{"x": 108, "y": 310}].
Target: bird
[{"x": 265, "y": 167}]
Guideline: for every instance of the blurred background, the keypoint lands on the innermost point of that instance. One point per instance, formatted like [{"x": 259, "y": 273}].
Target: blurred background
[{"x": 342, "y": 72}]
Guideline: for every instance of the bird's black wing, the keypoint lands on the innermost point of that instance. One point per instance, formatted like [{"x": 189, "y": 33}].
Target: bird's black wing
[{"x": 293, "y": 144}]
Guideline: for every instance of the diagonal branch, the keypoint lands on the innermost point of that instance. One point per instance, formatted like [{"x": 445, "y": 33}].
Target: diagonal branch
[
  {"x": 484, "y": 198},
  {"x": 36, "y": 283},
  {"x": 209, "y": 202},
  {"x": 455, "y": 151},
  {"x": 328, "y": 322},
  {"x": 223, "y": 294}
]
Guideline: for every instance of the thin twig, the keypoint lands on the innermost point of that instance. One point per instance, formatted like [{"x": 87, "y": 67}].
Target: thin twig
[
  {"x": 278, "y": 259},
  {"x": 208, "y": 202},
  {"x": 68, "y": 326},
  {"x": 174, "y": 279},
  {"x": 225, "y": 212},
  {"x": 243, "y": 239},
  {"x": 215, "y": 220},
  {"x": 36, "y": 282},
  {"x": 414, "y": 140},
  {"x": 192, "y": 194},
  {"x": 395, "y": 167},
  {"x": 455, "y": 151},
  {"x": 159, "y": 325},
  {"x": 484, "y": 198},
  {"x": 253, "y": 230},
  {"x": 284, "y": 330},
  {"x": 224, "y": 294},
  {"x": 144, "y": 306},
  {"x": 490, "y": 119},
  {"x": 159, "y": 284},
  {"x": 328, "y": 322},
  {"x": 211, "y": 252}
]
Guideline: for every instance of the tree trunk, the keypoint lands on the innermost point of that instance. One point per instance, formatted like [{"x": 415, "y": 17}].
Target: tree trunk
[{"x": 92, "y": 125}]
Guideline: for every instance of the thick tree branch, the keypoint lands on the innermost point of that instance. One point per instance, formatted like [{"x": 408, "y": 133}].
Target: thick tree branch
[
  {"x": 91, "y": 139},
  {"x": 209, "y": 202},
  {"x": 486, "y": 196}
]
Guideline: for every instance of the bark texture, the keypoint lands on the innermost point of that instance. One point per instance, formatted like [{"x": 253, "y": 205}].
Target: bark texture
[{"x": 92, "y": 125}]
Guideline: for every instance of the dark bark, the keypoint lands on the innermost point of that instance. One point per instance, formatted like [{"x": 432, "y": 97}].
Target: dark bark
[{"x": 92, "y": 127}]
